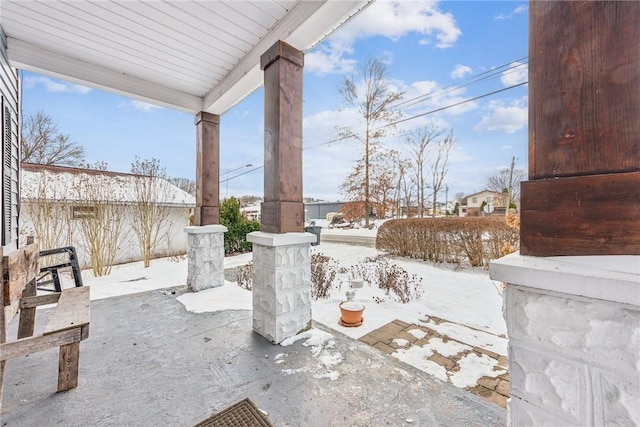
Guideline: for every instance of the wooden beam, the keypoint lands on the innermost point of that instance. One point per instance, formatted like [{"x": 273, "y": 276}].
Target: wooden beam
[
  {"x": 27, "y": 321},
  {"x": 584, "y": 143},
  {"x": 38, "y": 343},
  {"x": 68, "y": 366},
  {"x": 282, "y": 210},
  {"x": 583, "y": 215},
  {"x": 207, "y": 209},
  {"x": 19, "y": 268},
  {"x": 73, "y": 310},
  {"x": 30, "y": 302}
]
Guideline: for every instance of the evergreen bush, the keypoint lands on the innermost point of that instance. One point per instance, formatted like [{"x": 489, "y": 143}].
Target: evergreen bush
[{"x": 235, "y": 239}]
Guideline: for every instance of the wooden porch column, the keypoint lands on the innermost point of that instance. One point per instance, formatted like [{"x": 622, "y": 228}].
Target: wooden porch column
[
  {"x": 572, "y": 320},
  {"x": 207, "y": 169},
  {"x": 282, "y": 210},
  {"x": 583, "y": 193}
]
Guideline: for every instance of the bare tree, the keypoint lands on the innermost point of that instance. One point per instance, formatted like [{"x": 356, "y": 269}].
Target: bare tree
[
  {"x": 403, "y": 166},
  {"x": 419, "y": 142},
  {"x": 101, "y": 216},
  {"x": 46, "y": 210},
  {"x": 42, "y": 143},
  {"x": 372, "y": 99},
  {"x": 150, "y": 209},
  {"x": 384, "y": 181},
  {"x": 185, "y": 184},
  {"x": 440, "y": 166},
  {"x": 507, "y": 183}
]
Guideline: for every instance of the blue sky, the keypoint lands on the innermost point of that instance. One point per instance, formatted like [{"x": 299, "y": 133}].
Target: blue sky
[{"x": 436, "y": 48}]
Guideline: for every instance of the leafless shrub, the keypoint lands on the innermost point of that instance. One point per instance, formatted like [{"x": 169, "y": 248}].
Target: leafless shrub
[
  {"x": 150, "y": 209},
  {"x": 323, "y": 273},
  {"x": 47, "y": 211},
  {"x": 244, "y": 276},
  {"x": 393, "y": 279},
  {"x": 451, "y": 240},
  {"x": 103, "y": 220}
]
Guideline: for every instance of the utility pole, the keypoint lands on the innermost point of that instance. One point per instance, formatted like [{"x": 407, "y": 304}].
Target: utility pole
[
  {"x": 446, "y": 199},
  {"x": 513, "y": 165}
]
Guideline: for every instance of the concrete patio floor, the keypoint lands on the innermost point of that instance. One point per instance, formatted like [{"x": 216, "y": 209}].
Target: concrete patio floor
[{"x": 149, "y": 362}]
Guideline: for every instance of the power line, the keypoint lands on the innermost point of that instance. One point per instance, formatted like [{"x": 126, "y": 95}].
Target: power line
[
  {"x": 493, "y": 73},
  {"x": 341, "y": 138},
  {"x": 452, "y": 105}
]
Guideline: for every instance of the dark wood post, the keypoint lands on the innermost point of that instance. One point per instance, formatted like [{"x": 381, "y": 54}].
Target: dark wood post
[
  {"x": 583, "y": 193},
  {"x": 282, "y": 210},
  {"x": 207, "y": 169}
]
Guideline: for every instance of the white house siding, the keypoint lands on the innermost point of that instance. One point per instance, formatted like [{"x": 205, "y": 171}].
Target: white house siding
[
  {"x": 10, "y": 100},
  {"x": 63, "y": 189},
  {"x": 172, "y": 240}
]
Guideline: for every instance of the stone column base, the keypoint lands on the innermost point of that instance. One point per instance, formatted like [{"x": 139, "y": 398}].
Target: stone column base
[
  {"x": 574, "y": 339},
  {"x": 281, "y": 284},
  {"x": 205, "y": 256}
]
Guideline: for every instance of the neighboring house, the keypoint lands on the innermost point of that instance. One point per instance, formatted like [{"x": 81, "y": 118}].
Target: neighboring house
[
  {"x": 319, "y": 210},
  {"x": 472, "y": 204},
  {"x": 252, "y": 213},
  {"x": 55, "y": 200}
]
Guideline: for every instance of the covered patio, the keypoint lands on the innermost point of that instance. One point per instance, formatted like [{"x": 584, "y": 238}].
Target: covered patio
[
  {"x": 150, "y": 362},
  {"x": 575, "y": 279}
]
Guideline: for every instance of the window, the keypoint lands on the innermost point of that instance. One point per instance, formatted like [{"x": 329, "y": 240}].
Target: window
[
  {"x": 79, "y": 212},
  {"x": 489, "y": 199},
  {"x": 475, "y": 200}
]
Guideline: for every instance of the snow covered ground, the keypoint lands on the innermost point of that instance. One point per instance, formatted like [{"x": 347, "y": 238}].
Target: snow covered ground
[{"x": 468, "y": 301}]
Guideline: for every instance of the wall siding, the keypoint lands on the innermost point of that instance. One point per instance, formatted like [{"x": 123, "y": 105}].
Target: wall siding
[{"x": 9, "y": 85}]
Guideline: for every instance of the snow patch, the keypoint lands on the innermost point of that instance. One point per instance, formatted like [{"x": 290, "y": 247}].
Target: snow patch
[
  {"x": 279, "y": 358},
  {"x": 400, "y": 342},
  {"x": 226, "y": 297},
  {"x": 446, "y": 349},
  {"x": 320, "y": 342},
  {"x": 418, "y": 333},
  {"x": 474, "y": 367}
]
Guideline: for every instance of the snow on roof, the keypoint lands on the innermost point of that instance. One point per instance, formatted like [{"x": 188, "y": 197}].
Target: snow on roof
[{"x": 84, "y": 185}]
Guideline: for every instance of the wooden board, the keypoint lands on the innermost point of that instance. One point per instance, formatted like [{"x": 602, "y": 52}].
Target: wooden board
[
  {"x": 584, "y": 215},
  {"x": 30, "y": 302},
  {"x": 19, "y": 268},
  {"x": 72, "y": 310},
  {"x": 35, "y": 344}
]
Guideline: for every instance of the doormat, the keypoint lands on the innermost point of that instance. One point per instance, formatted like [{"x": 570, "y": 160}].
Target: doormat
[{"x": 242, "y": 414}]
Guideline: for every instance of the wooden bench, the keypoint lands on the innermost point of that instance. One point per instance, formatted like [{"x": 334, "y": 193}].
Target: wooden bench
[{"x": 68, "y": 323}]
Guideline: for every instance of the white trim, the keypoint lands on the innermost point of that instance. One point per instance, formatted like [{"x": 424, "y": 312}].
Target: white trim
[
  {"x": 285, "y": 239},
  {"x": 611, "y": 278},
  {"x": 28, "y": 57},
  {"x": 309, "y": 19},
  {"x": 202, "y": 229}
]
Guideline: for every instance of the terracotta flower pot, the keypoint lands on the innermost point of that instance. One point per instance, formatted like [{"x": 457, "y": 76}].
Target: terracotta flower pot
[{"x": 351, "y": 313}]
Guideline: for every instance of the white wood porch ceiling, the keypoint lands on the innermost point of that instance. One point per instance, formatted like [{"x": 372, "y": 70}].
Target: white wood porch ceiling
[{"x": 188, "y": 55}]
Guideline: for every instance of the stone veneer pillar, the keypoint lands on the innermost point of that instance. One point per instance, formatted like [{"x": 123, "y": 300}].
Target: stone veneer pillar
[
  {"x": 574, "y": 339},
  {"x": 205, "y": 256},
  {"x": 281, "y": 284}
]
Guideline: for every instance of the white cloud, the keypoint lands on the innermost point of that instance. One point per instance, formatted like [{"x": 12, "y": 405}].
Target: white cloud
[
  {"x": 387, "y": 18},
  {"x": 505, "y": 118},
  {"x": 53, "y": 85},
  {"x": 520, "y": 9},
  {"x": 330, "y": 58},
  {"x": 424, "y": 96},
  {"x": 460, "y": 71},
  {"x": 517, "y": 73},
  {"x": 140, "y": 105}
]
